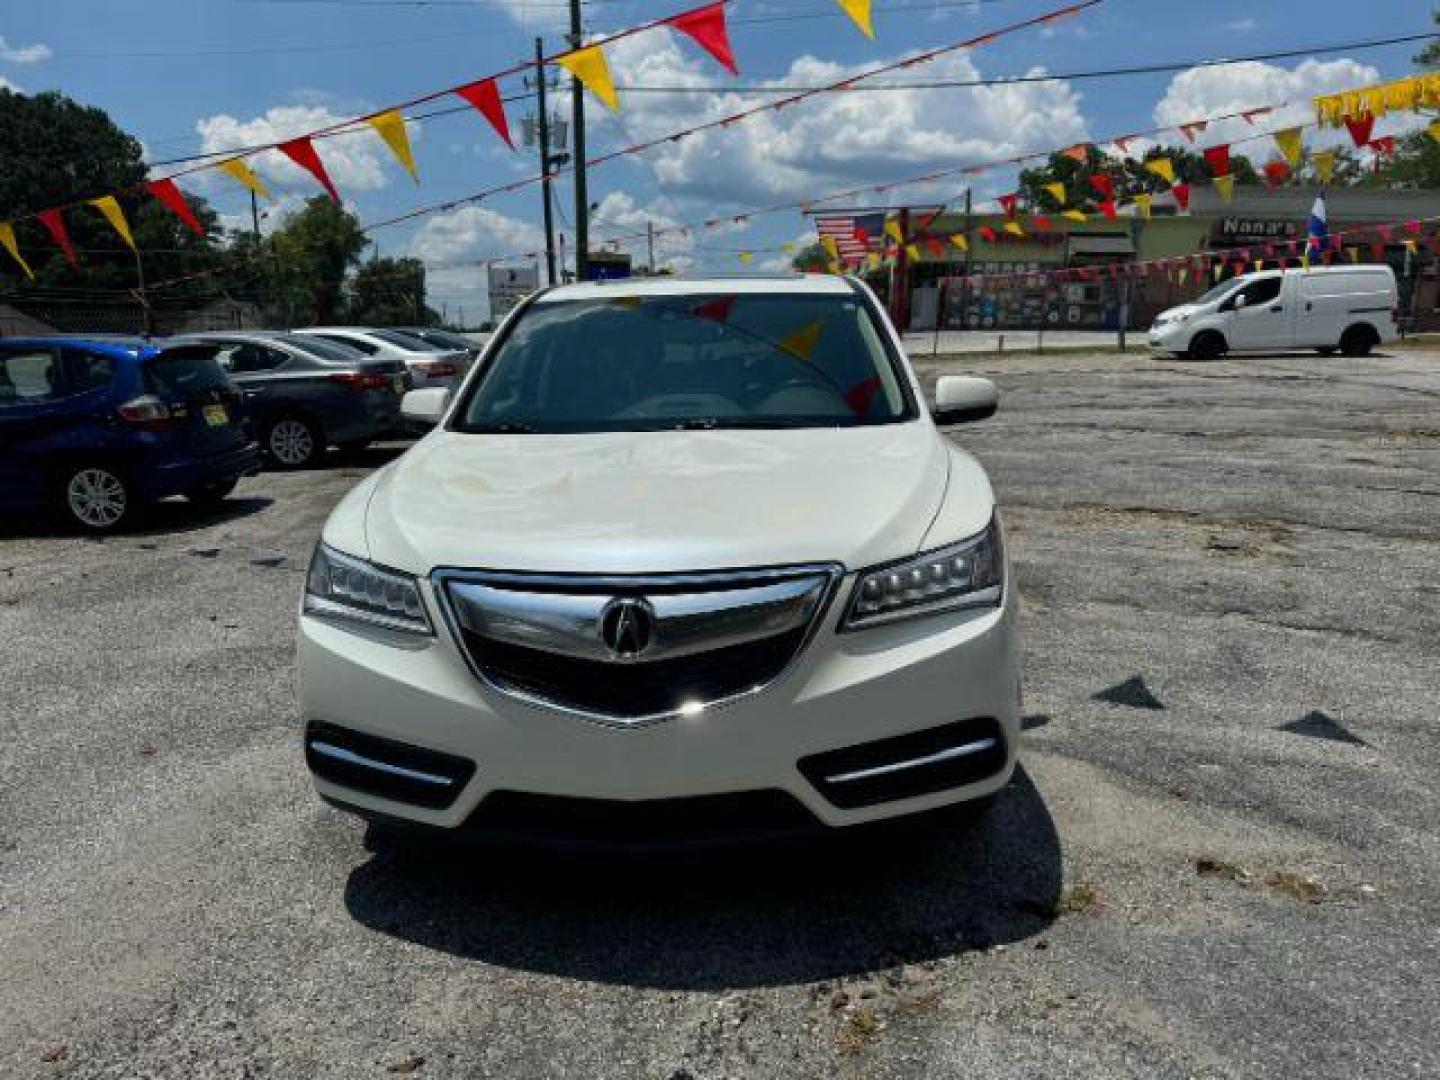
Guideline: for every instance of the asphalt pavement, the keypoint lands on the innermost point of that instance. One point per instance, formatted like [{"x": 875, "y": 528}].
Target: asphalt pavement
[{"x": 1221, "y": 858}]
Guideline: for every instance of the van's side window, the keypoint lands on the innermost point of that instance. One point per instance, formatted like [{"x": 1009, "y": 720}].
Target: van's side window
[{"x": 1262, "y": 291}]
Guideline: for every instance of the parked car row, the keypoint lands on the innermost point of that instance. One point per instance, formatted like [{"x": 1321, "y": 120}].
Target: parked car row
[{"x": 95, "y": 428}]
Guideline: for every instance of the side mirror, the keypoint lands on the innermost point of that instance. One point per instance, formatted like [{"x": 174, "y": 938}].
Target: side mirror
[
  {"x": 962, "y": 399},
  {"x": 1240, "y": 301},
  {"x": 425, "y": 407}
]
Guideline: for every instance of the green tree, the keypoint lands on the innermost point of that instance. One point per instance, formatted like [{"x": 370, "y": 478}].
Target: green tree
[
  {"x": 308, "y": 257},
  {"x": 390, "y": 292},
  {"x": 1429, "y": 56},
  {"x": 56, "y": 152}
]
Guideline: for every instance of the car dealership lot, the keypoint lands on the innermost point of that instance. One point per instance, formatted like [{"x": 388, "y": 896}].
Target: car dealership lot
[{"x": 1222, "y": 859}]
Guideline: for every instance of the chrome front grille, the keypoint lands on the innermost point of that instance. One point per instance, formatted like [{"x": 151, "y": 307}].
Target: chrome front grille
[{"x": 634, "y": 650}]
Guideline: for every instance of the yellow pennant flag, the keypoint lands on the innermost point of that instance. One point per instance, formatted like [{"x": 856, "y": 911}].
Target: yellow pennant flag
[
  {"x": 859, "y": 12},
  {"x": 7, "y": 241},
  {"x": 1058, "y": 191},
  {"x": 802, "y": 342},
  {"x": 1325, "y": 165},
  {"x": 746, "y": 257},
  {"x": 892, "y": 230},
  {"x": 1219, "y": 269},
  {"x": 107, "y": 205},
  {"x": 832, "y": 268},
  {"x": 1434, "y": 130},
  {"x": 1225, "y": 187},
  {"x": 1291, "y": 144},
  {"x": 873, "y": 261},
  {"x": 912, "y": 251},
  {"x": 1259, "y": 265},
  {"x": 1162, "y": 167},
  {"x": 1074, "y": 215},
  {"x": 391, "y": 126},
  {"x": 788, "y": 249},
  {"x": 960, "y": 242},
  {"x": 242, "y": 174},
  {"x": 590, "y": 67},
  {"x": 1354, "y": 254},
  {"x": 831, "y": 247},
  {"x": 1143, "y": 202},
  {"x": 1412, "y": 247},
  {"x": 1014, "y": 229}
]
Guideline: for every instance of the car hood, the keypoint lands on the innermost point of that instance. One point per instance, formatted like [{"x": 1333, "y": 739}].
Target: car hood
[
  {"x": 655, "y": 502},
  {"x": 1170, "y": 314}
]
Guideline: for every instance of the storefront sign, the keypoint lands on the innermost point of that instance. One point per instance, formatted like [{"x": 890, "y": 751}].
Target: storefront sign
[{"x": 1239, "y": 230}]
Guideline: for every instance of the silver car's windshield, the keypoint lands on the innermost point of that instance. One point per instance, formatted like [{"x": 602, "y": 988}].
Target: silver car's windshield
[{"x": 641, "y": 363}]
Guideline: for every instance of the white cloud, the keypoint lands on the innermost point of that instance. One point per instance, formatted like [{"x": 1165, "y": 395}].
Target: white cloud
[
  {"x": 356, "y": 161},
  {"x": 830, "y": 142},
  {"x": 620, "y": 215},
  {"x": 24, "y": 54},
  {"x": 6, "y": 84},
  {"x": 1233, "y": 88},
  {"x": 469, "y": 235}
]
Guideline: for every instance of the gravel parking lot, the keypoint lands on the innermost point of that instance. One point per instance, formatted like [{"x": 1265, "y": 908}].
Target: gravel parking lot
[{"x": 1222, "y": 858}]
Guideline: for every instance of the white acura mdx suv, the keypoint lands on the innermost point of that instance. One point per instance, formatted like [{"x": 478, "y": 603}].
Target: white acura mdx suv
[{"x": 679, "y": 559}]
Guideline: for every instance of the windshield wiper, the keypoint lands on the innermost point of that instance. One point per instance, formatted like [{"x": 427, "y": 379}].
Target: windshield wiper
[{"x": 508, "y": 427}]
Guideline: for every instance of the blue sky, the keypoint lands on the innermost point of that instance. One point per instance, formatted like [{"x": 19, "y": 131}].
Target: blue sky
[{"x": 189, "y": 75}]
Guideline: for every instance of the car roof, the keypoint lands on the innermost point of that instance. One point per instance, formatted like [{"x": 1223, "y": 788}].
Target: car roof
[
  {"x": 119, "y": 347},
  {"x": 781, "y": 284}
]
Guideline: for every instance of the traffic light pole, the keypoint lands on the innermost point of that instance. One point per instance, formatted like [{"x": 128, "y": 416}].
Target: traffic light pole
[
  {"x": 545, "y": 182},
  {"x": 582, "y": 196}
]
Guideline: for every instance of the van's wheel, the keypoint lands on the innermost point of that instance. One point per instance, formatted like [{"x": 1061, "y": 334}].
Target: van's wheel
[
  {"x": 1207, "y": 345},
  {"x": 292, "y": 442},
  {"x": 1326, "y": 350},
  {"x": 1358, "y": 341},
  {"x": 210, "y": 495},
  {"x": 96, "y": 497}
]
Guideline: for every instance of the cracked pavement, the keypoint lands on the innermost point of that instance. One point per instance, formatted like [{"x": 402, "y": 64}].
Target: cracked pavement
[{"x": 1222, "y": 858}]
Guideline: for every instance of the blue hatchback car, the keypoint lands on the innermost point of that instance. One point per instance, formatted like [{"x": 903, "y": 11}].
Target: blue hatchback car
[{"x": 95, "y": 429}]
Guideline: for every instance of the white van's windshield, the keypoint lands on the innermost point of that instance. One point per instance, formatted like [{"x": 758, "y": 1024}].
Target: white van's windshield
[
  {"x": 1219, "y": 291},
  {"x": 695, "y": 361}
]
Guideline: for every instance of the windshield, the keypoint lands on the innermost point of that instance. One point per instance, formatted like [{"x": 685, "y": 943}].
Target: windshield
[
  {"x": 404, "y": 341},
  {"x": 322, "y": 348},
  {"x": 631, "y": 363},
  {"x": 1218, "y": 291}
]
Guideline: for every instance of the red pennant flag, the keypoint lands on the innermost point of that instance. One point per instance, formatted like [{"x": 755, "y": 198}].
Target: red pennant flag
[
  {"x": 1193, "y": 129},
  {"x": 1276, "y": 173},
  {"x": 1360, "y": 128},
  {"x": 174, "y": 200},
  {"x": 1218, "y": 158},
  {"x": 707, "y": 26},
  {"x": 52, "y": 221},
  {"x": 1377, "y": 252},
  {"x": 485, "y": 97},
  {"x": 1249, "y": 115},
  {"x": 1182, "y": 195},
  {"x": 1123, "y": 145},
  {"x": 1039, "y": 223},
  {"x": 302, "y": 152},
  {"x": 1385, "y": 233},
  {"x": 861, "y": 235},
  {"x": 1079, "y": 152},
  {"x": 936, "y": 246},
  {"x": 859, "y": 396},
  {"x": 717, "y": 310},
  {"x": 988, "y": 233},
  {"x": 1384, "y": 145},
  {"x": 1413, "y": 228},
  {"x": 1108, "y": 208},
  {"x": 1007, "y": 203},
  {"x": 1104, "y": 184}
]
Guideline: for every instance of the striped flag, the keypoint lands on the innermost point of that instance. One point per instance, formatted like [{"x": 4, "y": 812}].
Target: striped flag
[
  {"x": 855, "y": 235},
  {"x": 1318, "y": 229}
]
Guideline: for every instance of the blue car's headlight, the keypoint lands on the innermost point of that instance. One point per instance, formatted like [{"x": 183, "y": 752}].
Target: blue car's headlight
[
  {"x": 964, "y": 575},
  {"x": 342, "y": 587}
]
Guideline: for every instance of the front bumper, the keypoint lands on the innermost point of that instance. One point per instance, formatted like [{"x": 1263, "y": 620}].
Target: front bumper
[{"x": 845, "y": 691}]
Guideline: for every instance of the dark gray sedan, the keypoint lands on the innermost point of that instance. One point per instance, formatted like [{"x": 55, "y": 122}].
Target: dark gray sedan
[{"x": 304, "y": 394}]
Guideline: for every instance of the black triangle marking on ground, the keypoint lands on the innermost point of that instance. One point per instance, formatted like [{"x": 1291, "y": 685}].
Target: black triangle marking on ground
[
  {"x": 1316, "y": 725},
  {"x": 1132, "y": 693}
]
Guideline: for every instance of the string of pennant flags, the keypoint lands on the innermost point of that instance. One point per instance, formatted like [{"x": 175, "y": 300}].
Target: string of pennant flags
[{"x": 705, "y": 25}]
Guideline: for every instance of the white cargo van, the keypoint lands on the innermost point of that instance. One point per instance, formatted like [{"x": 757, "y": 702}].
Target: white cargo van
[{"x": 1349, "y": 308}]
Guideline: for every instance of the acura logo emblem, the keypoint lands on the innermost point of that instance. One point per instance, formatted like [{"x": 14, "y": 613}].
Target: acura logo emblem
[{"x": 627, "y": 626}]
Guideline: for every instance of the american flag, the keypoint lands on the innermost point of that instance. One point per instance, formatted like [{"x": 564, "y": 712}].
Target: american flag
[{"x": 855, "y": 235}]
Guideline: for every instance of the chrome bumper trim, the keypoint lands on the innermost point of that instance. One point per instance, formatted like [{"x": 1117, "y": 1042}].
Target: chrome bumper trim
[
  {"x": 978, "y": 747},
  {"x": 339, "y": 753}
]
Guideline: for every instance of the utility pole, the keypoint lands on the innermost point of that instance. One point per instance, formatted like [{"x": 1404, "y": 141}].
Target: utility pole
[
  {"x": 545, "y": 181},
  {"x": 650, "y": 240},
  {"x": 582, "y": 196},
  {"x": 255, "y": 217},
  {"x": 965, "y": 286}
]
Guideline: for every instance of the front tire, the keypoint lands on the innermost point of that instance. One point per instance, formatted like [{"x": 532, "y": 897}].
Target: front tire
[
  {"x": 292, "y": 442},
  {"x": 1358, "y": 341},
  {"x": 97, "y": 498},
  {"x": 1207, "y": 345}
]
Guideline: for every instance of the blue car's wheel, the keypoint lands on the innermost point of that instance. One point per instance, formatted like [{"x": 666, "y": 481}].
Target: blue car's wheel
[{"x": 96, "y": 497}]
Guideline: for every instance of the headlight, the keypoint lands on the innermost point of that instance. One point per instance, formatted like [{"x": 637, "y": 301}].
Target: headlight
[
  {"x": 964, "y": 575},
  {"x": 342, "y": 587}
]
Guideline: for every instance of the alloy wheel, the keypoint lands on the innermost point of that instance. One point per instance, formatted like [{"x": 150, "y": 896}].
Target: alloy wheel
[
  {"x": 291, "y": 442},
  {"x": 96, "y": 498}
]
